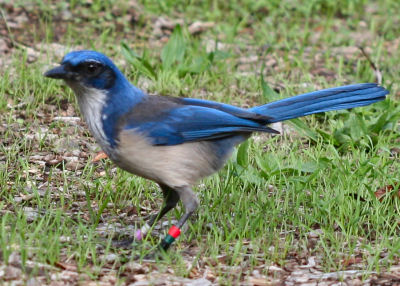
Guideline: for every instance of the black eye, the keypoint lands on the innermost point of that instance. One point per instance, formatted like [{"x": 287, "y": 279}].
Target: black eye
[{"x": 92, "y": 68}]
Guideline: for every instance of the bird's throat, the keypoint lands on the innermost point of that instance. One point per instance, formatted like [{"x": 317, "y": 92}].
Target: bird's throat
[{"x": 91, "y": 103}]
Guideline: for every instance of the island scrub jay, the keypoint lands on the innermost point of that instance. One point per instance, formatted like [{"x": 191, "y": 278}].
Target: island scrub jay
[{"x": 177, "y": 141}]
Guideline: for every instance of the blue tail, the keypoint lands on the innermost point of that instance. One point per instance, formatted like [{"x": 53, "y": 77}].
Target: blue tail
[{"x": 342, "y": 97}]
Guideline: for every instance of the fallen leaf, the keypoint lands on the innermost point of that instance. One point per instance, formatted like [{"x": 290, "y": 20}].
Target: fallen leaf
[
  {"x": 65, "y": 266},
  {"x": 351, "y": 260},
  {"x": 259, "y": 281},
  {"x": 381, "y": 192},
  {"x": 12, "y": 273},
  {"x": 99, "y": 156},
  {"x": 197, "y": 27}
]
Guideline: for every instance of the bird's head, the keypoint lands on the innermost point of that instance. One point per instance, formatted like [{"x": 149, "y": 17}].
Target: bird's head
[{"x": 86, "y": 69}]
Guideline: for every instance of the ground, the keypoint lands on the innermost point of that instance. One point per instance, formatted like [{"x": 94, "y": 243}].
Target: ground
[{"x": 316, "y": 205}]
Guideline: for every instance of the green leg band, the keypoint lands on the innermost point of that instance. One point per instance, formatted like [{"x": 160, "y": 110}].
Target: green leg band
[{"x": 167, "y": 241}]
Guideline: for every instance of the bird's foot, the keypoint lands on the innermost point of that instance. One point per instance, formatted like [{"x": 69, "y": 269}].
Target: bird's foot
[
  {"x": 127, "y": 243},
  {"x": 151, "y": 256},
  {"x": 159, "y": 252}
]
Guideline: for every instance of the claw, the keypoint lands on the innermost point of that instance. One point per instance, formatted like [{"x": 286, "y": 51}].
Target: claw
[{"x": 124, "y": 243}]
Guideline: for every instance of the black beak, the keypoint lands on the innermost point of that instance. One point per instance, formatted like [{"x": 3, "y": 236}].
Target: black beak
[{"x": 59, "y": 73}]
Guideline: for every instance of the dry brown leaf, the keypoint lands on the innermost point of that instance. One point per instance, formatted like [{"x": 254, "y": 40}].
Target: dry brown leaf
[
  {"x": 65, "y": 266},
  {"x": 259, "y": 281},
  {"x": 194, "y": 273},
  {"x": 101, "y": 155},
  {"x": 197, "y": 27},
  {"x": 381, "y": 192},
  {"x": 12, "y": 273},
  {"x": 351, "y": 260}
]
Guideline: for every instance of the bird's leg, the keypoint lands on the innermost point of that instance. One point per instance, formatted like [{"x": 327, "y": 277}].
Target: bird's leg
[
  {"x": 171, "y": 198},
  {"x": 190, "y": 202}
]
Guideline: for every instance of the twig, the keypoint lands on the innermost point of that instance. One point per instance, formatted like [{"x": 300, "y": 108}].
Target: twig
[{"x": 377, "y": 72}]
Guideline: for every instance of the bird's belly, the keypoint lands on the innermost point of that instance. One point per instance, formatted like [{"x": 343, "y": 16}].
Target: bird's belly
[{"x": 176, "y": 165}]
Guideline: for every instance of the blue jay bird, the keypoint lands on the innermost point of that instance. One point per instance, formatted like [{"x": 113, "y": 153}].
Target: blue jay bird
[{"x": 177, "y": 141}]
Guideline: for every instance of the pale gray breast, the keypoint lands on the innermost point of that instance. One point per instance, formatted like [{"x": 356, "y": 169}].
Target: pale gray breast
[{"x": 177, "y": 165}]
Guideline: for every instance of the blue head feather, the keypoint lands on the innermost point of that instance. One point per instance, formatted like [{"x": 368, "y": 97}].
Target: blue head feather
[
  {"x": 120, "y": 94},
  {"x": 77, "y": 57},
  {"x": 79, "y": 61}
]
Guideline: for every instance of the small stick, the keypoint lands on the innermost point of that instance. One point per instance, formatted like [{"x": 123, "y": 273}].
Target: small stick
[{"x": 377, "y": 72}]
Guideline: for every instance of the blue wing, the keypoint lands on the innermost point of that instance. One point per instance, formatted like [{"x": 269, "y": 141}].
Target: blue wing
[
  {"x": 188, "y": 123},
  {"x": 171, "y": 121},
  {"x": 234, "y": 110}
]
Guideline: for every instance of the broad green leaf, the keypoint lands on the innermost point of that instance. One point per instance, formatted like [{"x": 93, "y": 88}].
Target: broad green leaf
[
  {"x": 268, "y": 93},
  {"x": 174, "y": 50},
  {"x": 242, "y": 156},
  {"x": 141, "y": 64},
  {"x": 300, "y": 126}
]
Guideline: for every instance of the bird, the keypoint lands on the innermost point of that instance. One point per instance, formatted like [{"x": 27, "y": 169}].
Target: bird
[{"x": 177, "y": 141}]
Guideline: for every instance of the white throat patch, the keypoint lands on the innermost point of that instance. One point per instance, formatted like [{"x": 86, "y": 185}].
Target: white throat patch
[{"x": 91, "y": 103}]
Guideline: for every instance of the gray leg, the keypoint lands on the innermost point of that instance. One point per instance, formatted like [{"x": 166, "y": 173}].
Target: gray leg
[
  {"x": 190, "y": 202},
  {"x": 171, "y": 198}
]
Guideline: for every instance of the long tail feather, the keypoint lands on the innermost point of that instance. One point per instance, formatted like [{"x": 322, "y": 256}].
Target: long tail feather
[{"x": 336, "y": 98}]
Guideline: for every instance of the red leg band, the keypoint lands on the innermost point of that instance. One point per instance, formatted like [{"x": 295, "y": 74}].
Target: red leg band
[{"x": 174, "y": 231}]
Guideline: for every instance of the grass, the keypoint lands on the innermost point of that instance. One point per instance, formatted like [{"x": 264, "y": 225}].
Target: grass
[{"x": 266, "y": 205}]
